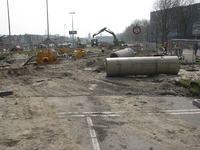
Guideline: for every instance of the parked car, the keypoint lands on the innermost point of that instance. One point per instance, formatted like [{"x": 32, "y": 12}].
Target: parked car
[
  {"x": 41, "y": 46},
  {"x": 17, "y": 48}
]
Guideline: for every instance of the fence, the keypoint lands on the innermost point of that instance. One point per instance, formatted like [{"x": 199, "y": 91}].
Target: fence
[{"x": 186, "y": 46}]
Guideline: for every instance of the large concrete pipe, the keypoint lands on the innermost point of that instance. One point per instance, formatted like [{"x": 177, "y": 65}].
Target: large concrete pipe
[
  {"x": 127, "y": 52},
  {"x": 142, "y": 65}
]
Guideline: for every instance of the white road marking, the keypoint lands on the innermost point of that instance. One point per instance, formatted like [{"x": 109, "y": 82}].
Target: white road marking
[
  {"x": 91, "y": 114},
  {"x": 188, "y": 110},
  {"x": 95, "y": 144},
  {"x": 183, "y": 112},
  {"x": 76, "y": 113},
  {"x": 82, "y": 116},
  {"x": 89, "y": 120},
  {"x": 93, "y": 134}
]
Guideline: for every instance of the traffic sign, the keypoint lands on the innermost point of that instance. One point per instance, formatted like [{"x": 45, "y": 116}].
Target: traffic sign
[
  {"x": 136, "y": 30},
  {"x": 72, "y": 32}
]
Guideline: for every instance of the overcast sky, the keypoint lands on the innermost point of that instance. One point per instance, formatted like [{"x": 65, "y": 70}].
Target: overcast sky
[{"x": 30, "y": 16}]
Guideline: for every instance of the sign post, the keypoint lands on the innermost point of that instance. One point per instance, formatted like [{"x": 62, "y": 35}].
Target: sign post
[{"x": 137, "y": 30}]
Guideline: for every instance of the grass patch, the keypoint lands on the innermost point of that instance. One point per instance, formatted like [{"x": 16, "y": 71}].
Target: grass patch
[
  {"x": 185, "y": 83},
  {"x": 194, "y": 91},
  {"x": 2, "y": 55},
  {"x": 193, "y": 87}
]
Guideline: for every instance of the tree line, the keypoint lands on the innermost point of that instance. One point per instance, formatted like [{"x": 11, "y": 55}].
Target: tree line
[{"x": 168, "y": 16}]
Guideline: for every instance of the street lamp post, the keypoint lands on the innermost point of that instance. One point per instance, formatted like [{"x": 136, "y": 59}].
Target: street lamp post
[
  {"x": 9, "y": 23},
  {"x": 47, "y": 23},
  {"x": 64, "y": 33},
  {"x": 72, "y": 27}
]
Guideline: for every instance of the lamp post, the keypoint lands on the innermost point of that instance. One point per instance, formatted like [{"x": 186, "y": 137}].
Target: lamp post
[
  {"x": 9, "y": 23},
  {"x": 72, "y": 27},
  {"x": 47, "y": 23},
  {"x": 64, "y": 33}
]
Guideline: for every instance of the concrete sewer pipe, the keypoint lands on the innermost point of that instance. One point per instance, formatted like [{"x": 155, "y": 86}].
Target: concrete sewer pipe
[
  {"x": 127, "y": 52},
  {"x": 142, "y": 65}
]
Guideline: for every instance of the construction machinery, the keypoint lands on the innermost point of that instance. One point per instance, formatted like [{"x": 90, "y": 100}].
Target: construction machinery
[
  {"x": 44, "y": 56},
  {"x": 94, "y": 42},
  {"x": 76, "y": 53},
  {"x": 79, "y": 53},
  {"x": 115, "y": 40},
  {"x": 63, "y": 52}
]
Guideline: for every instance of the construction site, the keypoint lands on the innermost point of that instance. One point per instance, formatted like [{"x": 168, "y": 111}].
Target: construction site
[{"x": 97, "y": 97}]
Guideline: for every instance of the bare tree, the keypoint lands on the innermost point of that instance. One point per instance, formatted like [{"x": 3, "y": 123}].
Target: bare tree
[
  {"x": 186, "y": 14},
  {"x": 154, "y": 30},
  {"x": 144, "y": 35},
  {"x": 163, "y": 16},
  {"x": 146, "y": 24}
]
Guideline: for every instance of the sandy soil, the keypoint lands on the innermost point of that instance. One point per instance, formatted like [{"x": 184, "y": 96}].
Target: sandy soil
[{"x": 29, "y": 121}]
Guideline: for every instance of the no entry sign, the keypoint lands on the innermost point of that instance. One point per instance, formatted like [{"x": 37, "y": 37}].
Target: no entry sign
[{"x": 136, "y": 30}]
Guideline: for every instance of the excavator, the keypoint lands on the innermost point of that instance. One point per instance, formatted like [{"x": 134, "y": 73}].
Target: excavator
[{"x": 115, "y": 40}]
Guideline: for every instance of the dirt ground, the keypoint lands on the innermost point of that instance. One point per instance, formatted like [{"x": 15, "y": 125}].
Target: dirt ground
[{"x": 29, "y": 121}]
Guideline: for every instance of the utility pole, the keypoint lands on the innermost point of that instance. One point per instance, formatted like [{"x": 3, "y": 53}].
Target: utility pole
[
  {"x": 47, "y": 23},
  {"x": 64, "y": 33},
  {"x": 9, "y": 24},
  {"x": 72, "y": 27}
]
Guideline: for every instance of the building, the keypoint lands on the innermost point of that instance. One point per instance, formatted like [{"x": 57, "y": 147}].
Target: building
[
  {"x": 196, "y": 28},
  {"x": 22, "y": 40},
  {"x": 32, "y": 39},
  {"x": 155, "y": 35}
]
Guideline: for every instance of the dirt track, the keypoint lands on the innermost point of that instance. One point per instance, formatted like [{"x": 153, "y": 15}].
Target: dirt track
[{"x": 29, "y": 118}]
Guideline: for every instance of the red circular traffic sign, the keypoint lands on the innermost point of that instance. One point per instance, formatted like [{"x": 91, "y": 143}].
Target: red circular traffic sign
[{"x": 136, "y": 30}]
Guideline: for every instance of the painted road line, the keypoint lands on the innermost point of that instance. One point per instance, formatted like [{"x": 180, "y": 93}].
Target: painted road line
[
  {"x": 89, "y": 120},
  {"x": 95, "y": 142},
  {"x": 76, "y": 113},
  {"x": 91, "y": 114},
  {"x": 183, "y": 112},
  {"x": 67, "y": 113},
  {"x": 188, "y": 110},
  {"x": 99, "y": 126},
  {"x": 82, "y": 116}
]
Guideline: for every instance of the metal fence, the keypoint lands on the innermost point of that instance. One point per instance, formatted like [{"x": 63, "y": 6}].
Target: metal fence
[{"x": 185, "y": 44}]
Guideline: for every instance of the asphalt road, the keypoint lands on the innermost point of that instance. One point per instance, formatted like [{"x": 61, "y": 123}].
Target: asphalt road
[
  {"x": 97, "y": 127},
  {"x": 181, "y": 107}
]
